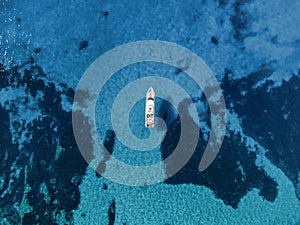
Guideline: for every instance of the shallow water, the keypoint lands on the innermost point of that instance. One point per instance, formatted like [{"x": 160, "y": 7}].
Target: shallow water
[{"x": 251, "y": 47}]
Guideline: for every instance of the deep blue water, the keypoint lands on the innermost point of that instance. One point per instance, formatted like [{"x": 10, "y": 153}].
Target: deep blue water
[{"x": 45, "y": 49}]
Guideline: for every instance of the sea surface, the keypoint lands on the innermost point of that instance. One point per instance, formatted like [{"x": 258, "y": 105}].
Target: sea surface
[{"x": 48, "y": 175}]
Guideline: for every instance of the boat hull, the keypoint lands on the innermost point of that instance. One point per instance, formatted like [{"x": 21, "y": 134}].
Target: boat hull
[{"x": 150, "y": 108}]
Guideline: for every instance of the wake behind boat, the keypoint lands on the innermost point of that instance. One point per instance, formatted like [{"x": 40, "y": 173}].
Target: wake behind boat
[{"x": 150, "y": 108}]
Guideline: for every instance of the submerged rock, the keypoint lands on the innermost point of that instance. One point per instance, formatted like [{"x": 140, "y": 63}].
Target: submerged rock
[
  {"x": 234, "y": 172},
  {"x": 41, "y": 184}
]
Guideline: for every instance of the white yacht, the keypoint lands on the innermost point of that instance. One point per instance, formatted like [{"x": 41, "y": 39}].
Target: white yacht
[{"x": 150, "y": 108}]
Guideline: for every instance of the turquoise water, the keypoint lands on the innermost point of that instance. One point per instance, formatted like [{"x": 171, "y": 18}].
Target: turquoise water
[{"x": 47, "y": 176}]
